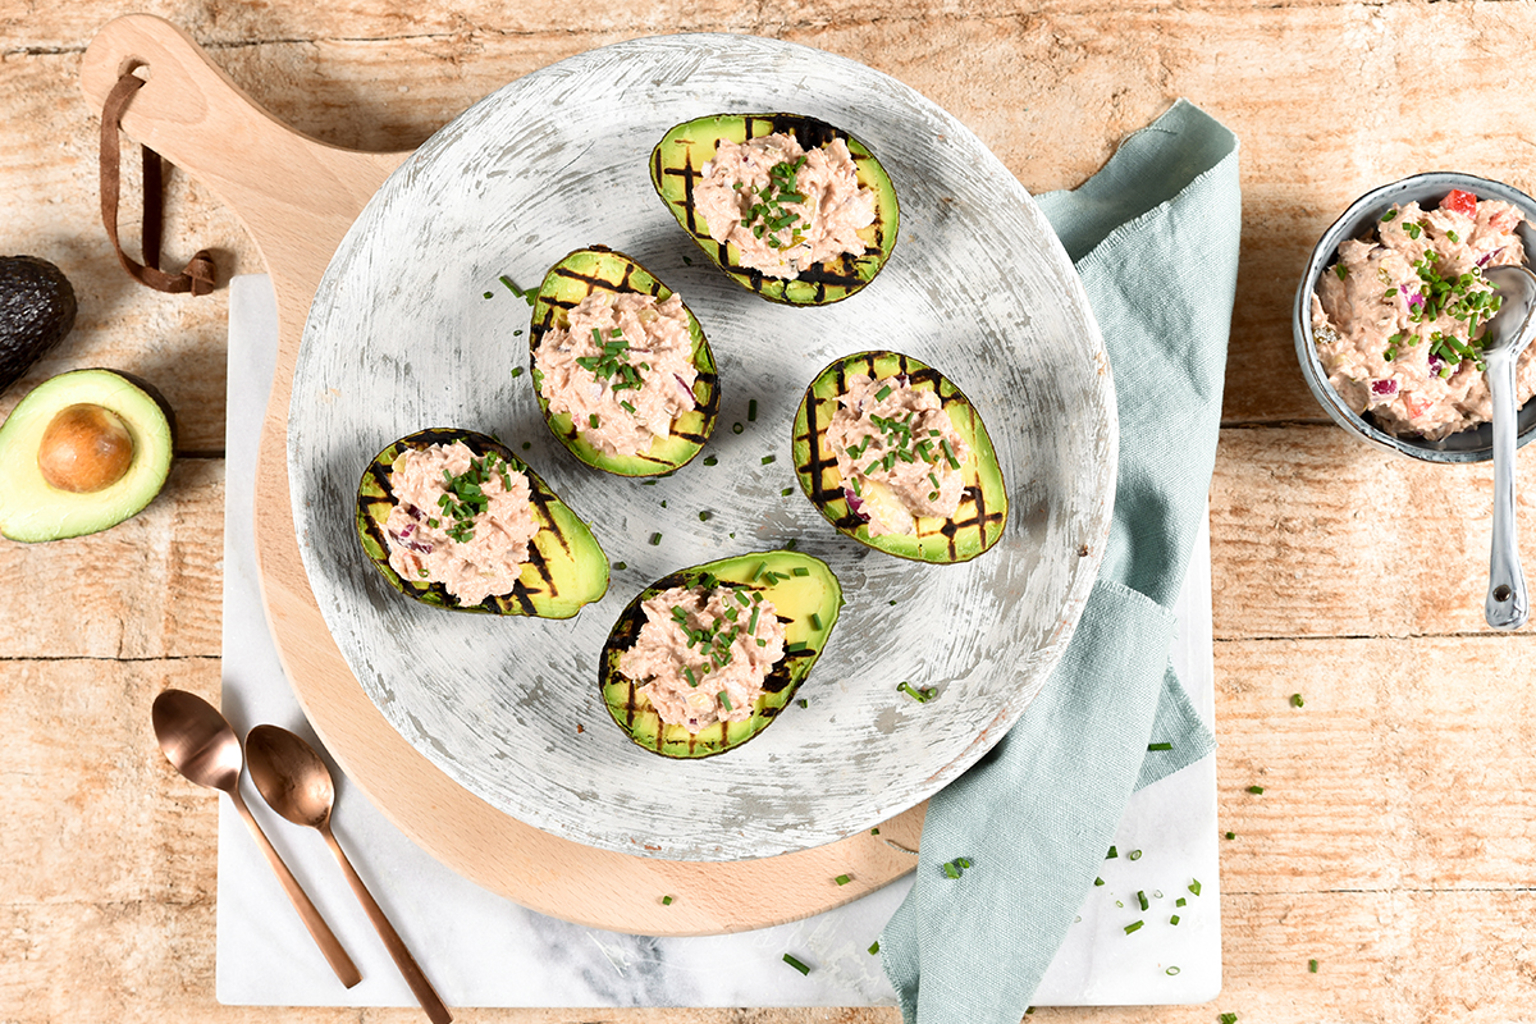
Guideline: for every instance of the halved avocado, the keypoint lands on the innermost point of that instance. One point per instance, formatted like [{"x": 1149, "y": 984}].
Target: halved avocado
[
  {"x": 600, "y": 269},
  {"x": 566, "y": 567},
  {"x": 37, "y": 309},
  {"x": 977, "y": 523},
  {"x": 807, "y": 598},
  {"x": 81, "y": 452},
  {"x": 677, "y": 164}
]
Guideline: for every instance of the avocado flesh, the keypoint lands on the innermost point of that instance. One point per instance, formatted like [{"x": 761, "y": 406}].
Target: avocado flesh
[
  {"x": 976, "y": 525},
  {"x": 37, "y": 309},
  {"x": 795, "y": 598},
  {"x": 578, "y": 275},
  {"x": 677, "y": 163},
  {"x": 31, "y": 510},
  {"x": 566, "y": 567}
]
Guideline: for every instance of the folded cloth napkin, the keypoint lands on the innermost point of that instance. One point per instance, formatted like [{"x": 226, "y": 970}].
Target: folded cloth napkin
[{"x": 1154, "y": 236}]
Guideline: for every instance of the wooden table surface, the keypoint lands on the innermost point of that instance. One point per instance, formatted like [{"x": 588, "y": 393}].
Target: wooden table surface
[{"x": 1393, "y": 840}]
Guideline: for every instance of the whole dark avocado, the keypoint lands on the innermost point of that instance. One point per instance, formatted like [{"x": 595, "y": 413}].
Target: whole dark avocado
[{"x": 37, "y": 309}]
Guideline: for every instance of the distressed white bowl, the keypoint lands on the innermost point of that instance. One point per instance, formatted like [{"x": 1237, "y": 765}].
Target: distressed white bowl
[{"x": 400, "y": 338}]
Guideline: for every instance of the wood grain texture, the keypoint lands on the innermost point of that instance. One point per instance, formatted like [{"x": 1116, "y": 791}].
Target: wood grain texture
[{"x": 1387, "y": 842}]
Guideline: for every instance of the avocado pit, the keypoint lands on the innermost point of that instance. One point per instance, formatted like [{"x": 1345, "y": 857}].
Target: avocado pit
[{"x": 86, "y": 448}]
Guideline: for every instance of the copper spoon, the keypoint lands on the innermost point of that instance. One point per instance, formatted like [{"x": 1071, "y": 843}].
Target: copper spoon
[
  {"x": 203, "y": 746},
  {"x": 297, "y": 784}
]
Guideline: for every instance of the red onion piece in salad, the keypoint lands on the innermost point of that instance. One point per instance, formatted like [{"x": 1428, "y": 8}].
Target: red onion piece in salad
[{"x": 1383, "y": 387}]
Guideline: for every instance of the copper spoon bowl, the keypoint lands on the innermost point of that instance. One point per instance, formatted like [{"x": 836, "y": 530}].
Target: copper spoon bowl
[
  {"x": 297, "y": 784},
  {"x": 202, "y": 745}
]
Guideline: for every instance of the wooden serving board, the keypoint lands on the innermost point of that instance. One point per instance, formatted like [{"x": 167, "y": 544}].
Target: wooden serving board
[{"x": 297, "y": 197}]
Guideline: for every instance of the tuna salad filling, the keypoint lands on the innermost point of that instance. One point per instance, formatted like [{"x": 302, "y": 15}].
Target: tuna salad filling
[
  {"x": 897, "y": 452},
  {"x": 1398, "y": 321},
  {"x": 703, "y": 654},
  {"x": 784, "y": 208},
  {"x": 622, "y": 367},
  {"x": 460, "y": 520}
]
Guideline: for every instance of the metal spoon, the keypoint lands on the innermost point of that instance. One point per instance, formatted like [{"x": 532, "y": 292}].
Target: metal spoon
[
  {"x": 1509, "y": 332},
  {"x": 296, "y": 782},
  {"x": 203, "y": 746}
]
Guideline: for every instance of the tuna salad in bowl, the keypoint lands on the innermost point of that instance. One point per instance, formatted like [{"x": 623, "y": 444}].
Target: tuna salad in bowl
[{"x": 1390, "y": 317}]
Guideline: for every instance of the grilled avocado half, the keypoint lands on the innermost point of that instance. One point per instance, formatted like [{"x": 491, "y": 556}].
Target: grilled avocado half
[
  {"x": 677, "y": 165},
  {"x": 600, "y": 269},
  {"x": 976, "y": 525},
  {"x": 566, "y": 567},
  {"x": 807, "y": 597}
]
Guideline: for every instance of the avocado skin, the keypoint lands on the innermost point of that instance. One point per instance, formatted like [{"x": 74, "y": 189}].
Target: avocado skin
[
  {"x": 37, "y": 309},
  {"x": 977, "y": 524},
  {"x": 30, "y": 510},
  {"x": 625, "y": 700}
]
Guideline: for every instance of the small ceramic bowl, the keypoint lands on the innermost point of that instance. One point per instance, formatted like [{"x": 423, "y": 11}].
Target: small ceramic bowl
[{"x": 1475, "y": 445}]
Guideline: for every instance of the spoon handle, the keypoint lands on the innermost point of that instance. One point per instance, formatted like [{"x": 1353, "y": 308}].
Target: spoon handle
[
  {"x": 1506, "y": 606},
  {"x": 326, "y": 939},
  {"x": 425, "y": 994}
]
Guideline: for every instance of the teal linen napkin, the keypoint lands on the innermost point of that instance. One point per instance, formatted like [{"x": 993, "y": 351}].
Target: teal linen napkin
[{"x": 1154, "y": 236}]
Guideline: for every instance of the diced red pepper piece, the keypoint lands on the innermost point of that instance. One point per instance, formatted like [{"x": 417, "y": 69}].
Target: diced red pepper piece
[{"x": 1464, "y": 203}]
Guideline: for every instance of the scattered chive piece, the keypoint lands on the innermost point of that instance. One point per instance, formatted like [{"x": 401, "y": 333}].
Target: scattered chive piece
[
  {"x": 725, "y": 699},
  {"x": 1296, "y": 700},
  {"x": 1255, "y": 789},
  {"x": 768, "y": 458},
  {"x": 710, "y": 460},
  {"x": 663, "y": 502},
  {"x": 517, "y": 371},
  {"x": 737, "y": 428},
  {"x": 1231, "y": 1018},
  {"x": 703, "y": 517},
  {"x": 666, "y": 901},
  {"x": 1159, "y": 746},
  {"x": 655, "y": 539},
  {"x": 801, "y": 570},
  {"x": 1141, "y": 897},
  {"x": 620, "y": 565},
  {"x": 805, "y": 704},
  {"x": 964, "y": 862},
  {"x": 1135, "y": 855},
  {"x": 883, "y": 393},
  {"x": 486, "y": 295},
  {"x": 1341, "y": 270},
  {"x": 874, "y": 831},
  {"x": 1181, "y": 901},
  {"x": 1132, "y": 927},
  {"x": 1174, "y": 920},
  {"x": 815, "y": 621},
  {"x": 527, "y": 445},
  {"x": 1112, "y": 854},
  {"x": 874, "y": 947},
  {"x": 1098, "y": 881},
  {"x": 1194, "y": 886},
  {"x": 842, "y": 879},
  {"x": 1311, "y": 966},
  {"x": 950, "y": 870},
  {"x": 1231, "y": 835},
  {"x": 592, "y": 419},
  {"x": 786, "y": 492},
  {"x": 790, "y": 544},
  {"x": 752, "y": 411},
  {"x": 796, "y": 964},
  {"x": 1171, "y": 971}
]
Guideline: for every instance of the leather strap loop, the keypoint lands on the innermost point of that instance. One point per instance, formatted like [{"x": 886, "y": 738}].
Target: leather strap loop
[{"x": 197, "y": 278}]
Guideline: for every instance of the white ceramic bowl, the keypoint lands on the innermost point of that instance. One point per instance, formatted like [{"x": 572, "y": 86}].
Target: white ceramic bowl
[{"x": 1475, "y": 445}]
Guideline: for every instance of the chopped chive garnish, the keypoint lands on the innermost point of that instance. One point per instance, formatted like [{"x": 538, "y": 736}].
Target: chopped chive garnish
[
  {"x": 486, "y": 295},
  {"x": 725, "y": 699},
  {"x": 1172, "y": 970},
  {"x": 752, "y": 410},
  {"x": 666, "y": 901},
  {"x": 1296, "y": 700},
  {"x": 951, "y": 870},
  {"x": 692, "y": 681},
  {"x": 842, "y": 879},
  {"x": 655, "y": 539},
  {"x": 815, "y": 621},
  {"x": 768, "y": 458},
  {"x": 790, "y": 545},
  {"x": 1231, "y": 835},
  {"x": 1341, "y": 270},
  {"x": 703, "y": 517},
  {"x": 1133, "y": 926},
  {"x": 797, "y": 646},
  {"x": 1135, "y": 855},
  {"x": 737, "y": 428},
  {"x": 1255, "y": 789},
  {"x": 1388, "y": 216},
  {"x": 592, "y": 419},
  {"x": 786, "y": 492},
  {"x": 1159, "y": 746},
  {"x": 628, "y": 408},
  {"x": 874, "y": 947},
  {"x": 1231, "y": 1018},
  {"x": 1174, "y": 919},
  {"x": 922, "y": 695},
  {"x": 1181, "y": 901},
  {"x": 1112, "y": 854},
  {"x": 800, "y": 570},
  {"x": 1194, "y": 887},
  {"x": 710, "y": 460},
  {"x": 796, "y": 964},
  {"x": 1311, "y": 966},
  {"x": 1141, "y": 897},
  {"x": 883, "y": 393},
  {"x": 1098, "y": 881},
  {"x": 517, "y": 371},
  {"x": 802, "y": 702}
]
